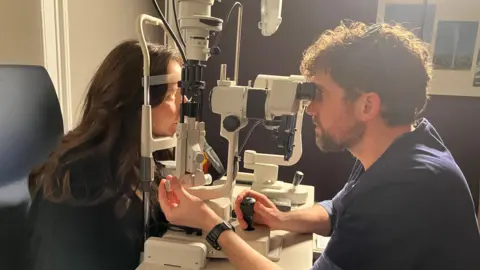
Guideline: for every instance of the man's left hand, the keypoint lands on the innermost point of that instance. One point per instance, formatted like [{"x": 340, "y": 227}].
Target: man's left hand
[{"x": 183, "y": 209}]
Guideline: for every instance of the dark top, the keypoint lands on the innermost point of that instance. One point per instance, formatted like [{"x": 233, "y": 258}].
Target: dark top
[
  {"x": 13, "y": 237},
  {"x": 66, "y": 236},
  {"x": 72, "y": 237},
  {"x": 412, "y": 209}
]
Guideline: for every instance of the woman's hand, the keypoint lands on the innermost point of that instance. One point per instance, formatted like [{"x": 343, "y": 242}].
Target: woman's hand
[
  {"x": 265, "y": 212},
  {"x": 183, "y": 209}
]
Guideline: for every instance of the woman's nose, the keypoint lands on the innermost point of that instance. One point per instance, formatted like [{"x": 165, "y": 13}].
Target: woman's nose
[{"x": 181, "y": 98}]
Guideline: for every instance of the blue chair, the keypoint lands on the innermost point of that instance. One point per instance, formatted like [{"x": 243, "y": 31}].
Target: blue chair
[{"x": 31, "y": 126}]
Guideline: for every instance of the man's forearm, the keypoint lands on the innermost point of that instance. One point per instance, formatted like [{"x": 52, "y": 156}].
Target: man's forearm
[
  {"x": 311, "y": 220},
  {"x": 241, "y": 255}
]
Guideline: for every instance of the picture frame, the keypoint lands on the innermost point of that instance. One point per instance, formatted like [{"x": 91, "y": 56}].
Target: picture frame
[{"x": 452, "y": 28}]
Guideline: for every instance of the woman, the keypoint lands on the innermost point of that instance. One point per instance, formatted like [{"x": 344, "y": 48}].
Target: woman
[{"x": 87, "y": 212}]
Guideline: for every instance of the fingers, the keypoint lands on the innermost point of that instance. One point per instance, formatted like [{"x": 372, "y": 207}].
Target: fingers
[
  {"x": 256, "y": 195},
  {"x": 261, "y": 206},
  {"x": 261, "y": 213},
  {"x": 261, "y": 210},
  {"x": 176, "y": 186},
  {"x": 263, "y": 200},
  {"x": 241, "y": 196},
  {"x": 238, "y": 211},
  {"x": 163, "y": 198}
]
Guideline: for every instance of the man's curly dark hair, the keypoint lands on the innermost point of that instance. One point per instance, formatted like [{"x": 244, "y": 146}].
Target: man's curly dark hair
[{"x": 382, "y": 58}]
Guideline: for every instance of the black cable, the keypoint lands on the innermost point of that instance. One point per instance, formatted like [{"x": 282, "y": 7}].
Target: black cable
[
  {"x": 170, "y": 31},
  {"x": 174, "y": 228},
  {"x": 217, "y": 39},
  {"x": 236, "y": 158},
  {"x": 249, "y": 134},
  {"x": 175, "y": 15}
]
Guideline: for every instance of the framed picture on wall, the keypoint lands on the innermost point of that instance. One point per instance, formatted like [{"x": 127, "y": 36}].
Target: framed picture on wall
[{"x": 452, "y": 28}]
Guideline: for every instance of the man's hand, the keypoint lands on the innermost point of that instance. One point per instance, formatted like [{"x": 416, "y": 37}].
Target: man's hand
[
  {"x": 265, "y": 212},
  {"x": 183, "y": 209}
]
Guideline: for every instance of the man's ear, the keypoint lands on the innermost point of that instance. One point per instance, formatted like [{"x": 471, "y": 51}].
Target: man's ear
[{"x": 368, "y": 106}]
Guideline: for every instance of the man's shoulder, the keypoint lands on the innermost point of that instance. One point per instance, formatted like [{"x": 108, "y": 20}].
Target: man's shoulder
[
  {"x": 422, "y": 155},
  {"x": 417, "y": 164},
  {"x": 422, "y": 183},
  {"x": 418, "y": 179}
]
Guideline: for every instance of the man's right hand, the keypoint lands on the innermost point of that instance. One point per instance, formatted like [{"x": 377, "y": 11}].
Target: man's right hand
[{"x": 265, "y": 212}]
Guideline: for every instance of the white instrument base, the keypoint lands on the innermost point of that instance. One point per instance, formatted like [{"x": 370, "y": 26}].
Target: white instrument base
[
  {"x": 177, "y": 250},
  {"x": 281, "y": 190},
  {"x": 160, "y": 253},
  {"x": 295, "y": 250},
  {"x": 221, "y": 206}
]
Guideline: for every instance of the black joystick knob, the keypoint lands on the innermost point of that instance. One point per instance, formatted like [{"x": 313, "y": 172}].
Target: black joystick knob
[
  {"x": 247, "y": 210},
  {"x": 231, "y": 123},
  {"x": 215, "y": 51}
]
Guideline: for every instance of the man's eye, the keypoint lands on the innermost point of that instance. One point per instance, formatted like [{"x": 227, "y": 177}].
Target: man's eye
[{"x": 319, "y": 94}]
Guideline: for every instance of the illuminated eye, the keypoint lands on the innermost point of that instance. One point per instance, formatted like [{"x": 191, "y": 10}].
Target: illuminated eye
[{"x": 171, "y": 92}]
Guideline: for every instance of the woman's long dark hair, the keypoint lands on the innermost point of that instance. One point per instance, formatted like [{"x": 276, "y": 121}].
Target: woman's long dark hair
[{"x": 109, "y": 126}]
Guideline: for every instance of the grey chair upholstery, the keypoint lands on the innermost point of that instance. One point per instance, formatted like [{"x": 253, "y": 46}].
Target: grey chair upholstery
[{"x": 31, "y": 126}]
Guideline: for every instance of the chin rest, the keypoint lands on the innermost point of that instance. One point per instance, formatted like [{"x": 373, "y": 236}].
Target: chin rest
[{"x": 31, "y": 127}]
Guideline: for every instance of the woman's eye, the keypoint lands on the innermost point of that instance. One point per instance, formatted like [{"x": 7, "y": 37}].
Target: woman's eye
[{"x": 171, "y": 93}]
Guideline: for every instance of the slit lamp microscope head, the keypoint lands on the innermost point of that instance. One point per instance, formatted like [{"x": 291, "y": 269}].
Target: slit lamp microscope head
[{"x": 196, "y": 28}]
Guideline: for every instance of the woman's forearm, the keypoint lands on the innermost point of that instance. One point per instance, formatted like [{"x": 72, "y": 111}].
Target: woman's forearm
[{"x": 241, "y": 255}]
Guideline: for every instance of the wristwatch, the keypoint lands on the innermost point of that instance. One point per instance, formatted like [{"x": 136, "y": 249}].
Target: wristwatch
[{"x": 213, "y": 235}]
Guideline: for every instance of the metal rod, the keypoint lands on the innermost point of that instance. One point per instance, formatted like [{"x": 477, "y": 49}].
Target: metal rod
[
  {"x": 237, "y": 48},
  {"x": 146, "y": 214},
  {"x": 223, "y": 72}
]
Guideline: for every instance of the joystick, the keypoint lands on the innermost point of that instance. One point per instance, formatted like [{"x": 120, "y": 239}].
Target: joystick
[{"x": 246, "y": 206}]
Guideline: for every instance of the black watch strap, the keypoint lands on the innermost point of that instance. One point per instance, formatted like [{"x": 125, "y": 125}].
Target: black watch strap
[{"x": 213, "y": 235}]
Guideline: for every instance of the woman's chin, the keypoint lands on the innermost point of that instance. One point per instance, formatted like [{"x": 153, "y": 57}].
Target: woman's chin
[
  {"x": 171, "y": 132},
  {"x": 164, "y": 134},
  {"x": 174, "y": 128}
]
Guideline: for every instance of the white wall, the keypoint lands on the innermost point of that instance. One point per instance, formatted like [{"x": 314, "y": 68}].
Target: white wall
[
  {"x": 70, "y": 38},
  {"x": 21, "y": 32},
  {"x": 94, "y": 28},
  {"x": 449, "y": 82}
]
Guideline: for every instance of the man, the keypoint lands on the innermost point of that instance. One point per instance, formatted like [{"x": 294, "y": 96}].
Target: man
[{"x": 407, "y": 204}]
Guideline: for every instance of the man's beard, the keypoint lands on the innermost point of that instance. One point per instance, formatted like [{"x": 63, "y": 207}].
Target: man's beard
[{"x": 326, "y": 143}]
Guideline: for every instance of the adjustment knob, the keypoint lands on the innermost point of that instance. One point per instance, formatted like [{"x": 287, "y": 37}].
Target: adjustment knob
[
  {"x": 246, "y": 206},
  {"x": 297, "y": 178},
  {"x": 199, "y": 157},
  {"x": 231, "y": 123},
  {"x": 215, "y": 51}
]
